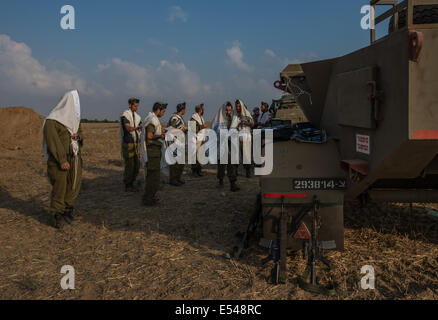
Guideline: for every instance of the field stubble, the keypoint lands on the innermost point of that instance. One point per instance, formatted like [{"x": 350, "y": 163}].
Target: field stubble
[{"x": 180, "y": 250}]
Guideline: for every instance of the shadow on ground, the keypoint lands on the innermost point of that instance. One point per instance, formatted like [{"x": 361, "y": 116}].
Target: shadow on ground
[{"x": 33, "y": 207}]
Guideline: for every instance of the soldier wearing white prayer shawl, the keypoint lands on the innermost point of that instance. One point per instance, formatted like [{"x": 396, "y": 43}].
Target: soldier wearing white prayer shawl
[
  {"x": 177, "y": 126},
  {"x": 198, "y": 118},
  {"x": 62, "y": 142},
  {"x": 245, "y": 135},
  {"x": 130, "y": 136},
  {"x": 226, "y": 120},
  {"x": 153, "y": 137}
]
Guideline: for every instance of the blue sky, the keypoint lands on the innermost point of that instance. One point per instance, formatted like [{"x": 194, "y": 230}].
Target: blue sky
[{"x": 195, "y": 51}]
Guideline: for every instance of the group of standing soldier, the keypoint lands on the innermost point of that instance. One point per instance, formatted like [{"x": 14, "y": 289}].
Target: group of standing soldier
[
  {"x": 229, "y": 117},
  {"x": 141, "y": 142}
]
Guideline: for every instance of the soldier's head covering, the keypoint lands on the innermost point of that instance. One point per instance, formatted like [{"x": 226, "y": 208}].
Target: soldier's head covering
[
  {"x": 68, "y": 113},
  {"x": 244, "y": 109},
  {"x": 220, "y": 120}
]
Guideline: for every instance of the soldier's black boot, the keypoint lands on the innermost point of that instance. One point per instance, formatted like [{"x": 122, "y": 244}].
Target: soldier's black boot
[
  {"x": 248, "y": 173},
  {"x": 150, "y": 202},
  {"x": 200, "y": 173},
  {"x": 60, "y": 222},
  {"x": 181, "y": 182},
  {"x": 220, "y": 183},
  {"x": 234, "y": 187},
  {"x": 131, "y": 188},
  {"x": 68, "y": 217},
  {"x": 70, "y": 214},
  {"x": 174, "y": 183}
]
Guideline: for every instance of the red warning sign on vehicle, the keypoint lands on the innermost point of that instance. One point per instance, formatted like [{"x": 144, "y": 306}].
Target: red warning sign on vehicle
[
  {"x": 303, "y": 233},
  {"x": 363, "y": 144}
]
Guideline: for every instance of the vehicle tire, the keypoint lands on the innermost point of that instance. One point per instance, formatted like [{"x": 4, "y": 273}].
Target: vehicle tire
[{"x": 422, "y": 15}]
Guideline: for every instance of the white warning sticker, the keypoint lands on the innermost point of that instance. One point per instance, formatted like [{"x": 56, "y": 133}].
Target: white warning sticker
[
  {"x": 328, "y": 245},
  {"x": 363, "y": 144}
]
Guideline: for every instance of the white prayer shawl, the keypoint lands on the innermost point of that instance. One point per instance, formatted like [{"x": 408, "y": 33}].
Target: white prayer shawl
[
  {"x": 198, "y": 118},
  {"x": 200, "y": 137},
  {"x": 264, "y": 118},
  {"x": 246, "y": 115},
  {"x": 245, "y": 135},
  {"x": 150, "y": 119},
  {"x": 172, "y": 133},
  {"x": 179, "y": 119},
  {"x": 220, "y": 122},
  {"x": 134, "y": 121},
  {"x": 68, "y": 113}
]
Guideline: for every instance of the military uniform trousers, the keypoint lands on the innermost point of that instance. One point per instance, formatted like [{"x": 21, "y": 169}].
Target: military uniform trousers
[
  {"x": 231, "y": 170},
  {"x": 66, "y": 185},
  {"x": 176, "y": 172},
  {"x": 153, "y": 174},
  {"x": 132, "y": 162}
]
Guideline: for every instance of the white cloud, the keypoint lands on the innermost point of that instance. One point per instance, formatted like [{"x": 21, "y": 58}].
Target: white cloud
[
  {"x": 177, "y": 13},
  {"x": 235, "y": 56},
  {"x": 270, "y": 53},
  {"x": 127, "y": 76},
  {"x": 21, "y": 73},
  {"x": 180, "y": 80},
  {"x": 26, "y": 81},
  {"x": 167, "y": 79}
]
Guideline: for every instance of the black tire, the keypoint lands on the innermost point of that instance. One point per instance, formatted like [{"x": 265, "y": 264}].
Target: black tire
[{"x": 422, "y": 15}]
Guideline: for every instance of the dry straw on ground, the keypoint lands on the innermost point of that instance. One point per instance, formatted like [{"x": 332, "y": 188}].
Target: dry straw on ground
[{"x": 179, "y": 250}]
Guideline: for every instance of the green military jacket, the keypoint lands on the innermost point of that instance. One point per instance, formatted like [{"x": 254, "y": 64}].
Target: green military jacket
[
  {"x": 58, "y": 142},
  {"x": 152, "y": 143}
]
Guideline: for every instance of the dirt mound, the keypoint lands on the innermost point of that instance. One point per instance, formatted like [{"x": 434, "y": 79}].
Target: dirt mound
[{"x": 21, "y": 127}]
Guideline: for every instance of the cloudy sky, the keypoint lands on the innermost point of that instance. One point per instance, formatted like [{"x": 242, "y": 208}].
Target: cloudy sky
[{"x": 194, "y": 51}]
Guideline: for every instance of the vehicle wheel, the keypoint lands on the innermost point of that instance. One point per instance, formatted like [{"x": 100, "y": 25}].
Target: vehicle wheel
[{"x": 422, "y": 15}]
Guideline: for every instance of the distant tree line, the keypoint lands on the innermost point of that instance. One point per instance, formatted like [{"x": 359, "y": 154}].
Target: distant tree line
[{"x": 98, "y": 121}]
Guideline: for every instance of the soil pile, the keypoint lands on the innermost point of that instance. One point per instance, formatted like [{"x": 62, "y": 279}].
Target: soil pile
[{"x": 21, "y": 127}]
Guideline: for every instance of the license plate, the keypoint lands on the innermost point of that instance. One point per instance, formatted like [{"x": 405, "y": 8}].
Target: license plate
[{"x": 320, "y": 184}]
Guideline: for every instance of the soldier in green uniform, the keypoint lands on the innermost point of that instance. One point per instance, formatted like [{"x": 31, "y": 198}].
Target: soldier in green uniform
[
  {"x": 198, "y": 118},
  {"x": 62, "y": 142},
  {"x": 177, "y": 122},
  {"x": 130, "y": 143},
  {"x": 225, "y": 120},
  {"x": 154, "y": 137}
]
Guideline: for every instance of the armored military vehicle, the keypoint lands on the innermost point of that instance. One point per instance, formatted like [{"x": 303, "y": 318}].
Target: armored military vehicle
[{"x": 379, "y": 108}]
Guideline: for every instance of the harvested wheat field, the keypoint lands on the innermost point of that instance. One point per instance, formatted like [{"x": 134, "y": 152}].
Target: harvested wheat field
[{"x": 180, "y": 250}]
